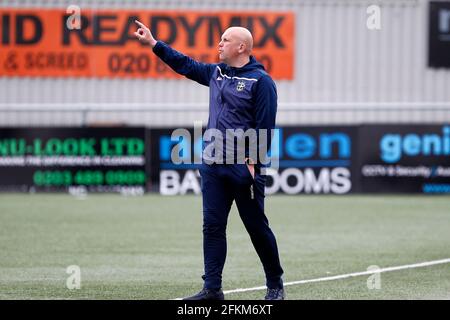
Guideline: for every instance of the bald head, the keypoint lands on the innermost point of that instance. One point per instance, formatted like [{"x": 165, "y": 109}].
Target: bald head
[
  {"x": 235, "y": 46},
  {"x": 243, "y": 35}
]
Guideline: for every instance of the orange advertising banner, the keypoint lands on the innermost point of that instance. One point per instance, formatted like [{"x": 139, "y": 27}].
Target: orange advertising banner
[{"x": 101, "y": 43}]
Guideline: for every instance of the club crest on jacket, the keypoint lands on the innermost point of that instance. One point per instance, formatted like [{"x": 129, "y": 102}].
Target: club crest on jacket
[{"x": 240, "y": 86}]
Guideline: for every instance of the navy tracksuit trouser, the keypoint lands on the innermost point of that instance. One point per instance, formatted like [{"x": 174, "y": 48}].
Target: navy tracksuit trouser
[{"x": 221, "y": 184}]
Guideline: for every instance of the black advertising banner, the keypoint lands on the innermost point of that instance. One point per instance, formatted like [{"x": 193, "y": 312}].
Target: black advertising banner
[
  {"x": 404, "y": 158},
  {"x": 439, "y": 34},
  {"x": 305, "y": 160},
  {"x": 167, "y": 177},
  {"x": 73, "y": 159},
  {"x": 313, "y": 160}
]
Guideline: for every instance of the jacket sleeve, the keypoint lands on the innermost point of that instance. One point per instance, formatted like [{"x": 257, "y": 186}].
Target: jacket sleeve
[
  {"x": 266, "y": 110},
  {"x": 184, "y": 65}
]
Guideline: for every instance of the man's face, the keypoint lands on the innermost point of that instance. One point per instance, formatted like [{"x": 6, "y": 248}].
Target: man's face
[{"x": 228, "y": 47}]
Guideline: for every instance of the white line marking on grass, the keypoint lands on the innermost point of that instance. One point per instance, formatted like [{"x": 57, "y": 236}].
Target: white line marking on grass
[
  {"x": 344, "y": 276},
  {"x": 349, "y": 275}
]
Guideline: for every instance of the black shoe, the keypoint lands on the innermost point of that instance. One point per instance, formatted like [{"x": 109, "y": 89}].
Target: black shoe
[
  {"x": 207, "y": 294},
  {"x": 275, "y": 294}
]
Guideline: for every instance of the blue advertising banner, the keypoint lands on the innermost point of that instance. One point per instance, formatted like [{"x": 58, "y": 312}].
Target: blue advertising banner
[
  {"x": 313, "y": 160},
  {"x": 305, "y": 160},
  {"x": 404, "y": 158},
  {"x": 167, "y": 177}
]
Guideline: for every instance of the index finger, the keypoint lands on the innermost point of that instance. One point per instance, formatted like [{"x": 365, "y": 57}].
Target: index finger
[{"x": 140, "y": 24}]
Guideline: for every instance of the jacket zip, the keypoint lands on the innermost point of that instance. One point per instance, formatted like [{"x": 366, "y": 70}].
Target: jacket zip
[{"x": 222, "y": 103}]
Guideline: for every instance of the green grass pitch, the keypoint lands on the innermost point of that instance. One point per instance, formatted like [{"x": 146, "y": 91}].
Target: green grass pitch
[{"x": 150, "y": 247}]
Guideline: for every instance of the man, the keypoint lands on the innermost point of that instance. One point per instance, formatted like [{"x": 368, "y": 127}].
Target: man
[{"x": 242, "y": 96}]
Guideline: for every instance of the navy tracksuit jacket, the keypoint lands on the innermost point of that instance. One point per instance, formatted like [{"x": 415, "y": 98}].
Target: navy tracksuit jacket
[{"x": 240, "y": 98}]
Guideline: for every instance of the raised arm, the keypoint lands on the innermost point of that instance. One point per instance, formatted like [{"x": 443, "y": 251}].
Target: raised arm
[
  {"x": 180, "y": 63},
  {"x": 144, "y": 34}
]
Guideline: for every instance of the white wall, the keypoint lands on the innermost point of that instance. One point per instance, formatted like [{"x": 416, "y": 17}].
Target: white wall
[{"x": 344, "y": 73}]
